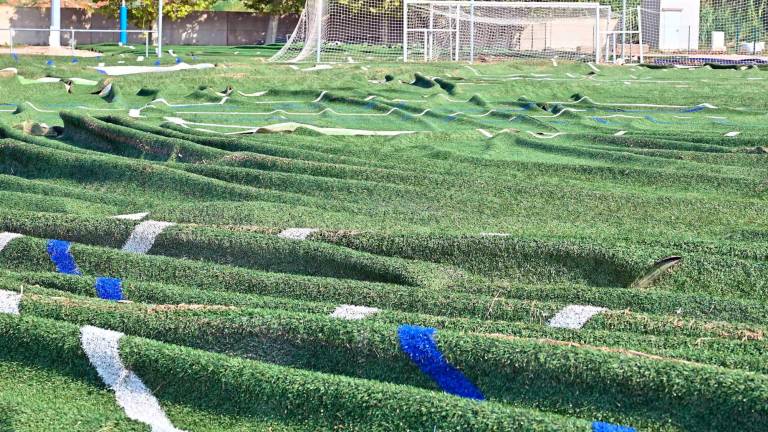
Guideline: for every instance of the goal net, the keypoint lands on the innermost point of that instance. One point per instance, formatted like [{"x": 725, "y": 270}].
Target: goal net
[{"x": 445, "y": 30}]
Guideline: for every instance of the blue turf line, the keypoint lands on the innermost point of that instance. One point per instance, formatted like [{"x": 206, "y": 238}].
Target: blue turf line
[
  {"x": 62, "y": 258},
  {"x": 109, "y": 288},
  {"x": 420, "y": 346},
  {"x": 608, "y": 427}
]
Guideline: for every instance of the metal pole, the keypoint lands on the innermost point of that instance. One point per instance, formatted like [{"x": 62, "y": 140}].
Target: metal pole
[
  {"x": 608, "y": 40},
  {"x": 426, "y": 47},
  {"x": 10, "y": 40},
  {"x": 640, "y": 32},
  {"x": 146, "y": 45},
  {"x": 405, "y": 31},
  {"x": 159, "y": 28},
  {"x": 55, "y": 33},
  {"x": 623, "y": 29},
  {"x": 597, "y": 34},
  {"x": 472, "y": 31},
  {"x": 458, "y": 34},
  {"x": 319, "y": 28},
  {"x": 72, "y": 40},
  {"x": 689, "y": 40},
  {"x": 123, "y": 24},
  {"x": 431, "y": 30}
]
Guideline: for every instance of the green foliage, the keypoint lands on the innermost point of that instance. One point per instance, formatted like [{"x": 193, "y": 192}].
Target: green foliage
[{"x": 143, "y": 13}]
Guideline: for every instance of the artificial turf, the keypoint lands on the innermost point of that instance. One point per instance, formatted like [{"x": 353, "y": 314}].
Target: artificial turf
[{"x": 513, "y": 191}]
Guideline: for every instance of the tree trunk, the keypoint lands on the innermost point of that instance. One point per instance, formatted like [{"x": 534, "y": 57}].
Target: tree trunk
[{"x": 271, "y": 37}]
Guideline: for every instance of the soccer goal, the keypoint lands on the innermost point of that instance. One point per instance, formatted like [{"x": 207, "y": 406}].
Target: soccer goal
[{"x": 445, "y": 30}]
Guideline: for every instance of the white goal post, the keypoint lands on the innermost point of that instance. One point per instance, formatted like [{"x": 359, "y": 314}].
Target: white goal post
[
  {"x": 333, "y": 31},
  {"x": 477, "y": 30}
]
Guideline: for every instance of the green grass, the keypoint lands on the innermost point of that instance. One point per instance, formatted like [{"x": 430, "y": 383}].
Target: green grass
[{"x": 229, "y": 324}]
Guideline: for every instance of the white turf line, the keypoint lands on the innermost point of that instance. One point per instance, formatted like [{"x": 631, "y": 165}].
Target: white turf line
[
  {"x": 130, "y": 70},
  {"x": 574, "y": 316},
  {"x": 732, "y": 134},
  {"x": 620, "y": 133},
  {"x": 132, "y": 216},
  {"x": 485, "y": 133},
  {"x": 103, "y": 350},
  {"x": 642, "y": 105},
  {"x": 7, "y": 237},
  {"x": 9, "y": 302},
  {"x": 352, "y": 312},
  {"x": 297, "y": 233},
  {"x": 143, "y": 236},
  {"x": 286, "y": 127},
  {"x": 255, "y": 94}
]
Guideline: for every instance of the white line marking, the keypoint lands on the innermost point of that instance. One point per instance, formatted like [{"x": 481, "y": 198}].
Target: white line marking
[
  {"x": 593, "y": 67},
  {"x": 574, "y": 316},
  {"x": 103, "y": 350},
  {"x": 143, "y": 236},
  {"x": 564, "y": 110},
  {"x": 297, "y": 233},
  {"x": 132, "y": 216},
  {"x": 732, "y": 134},
  {"x": 255, "y": 94},
  {"x": 288, "y": 127},
  {"x": 38, "y": 109},
  {"x": 588, "y": 99},
  {"x": 546, "y": 135},
  {"x": 317, "y": 68},
  {"x": 352, "y": 312},
  {"x": 9, "y": 302},
  {"x": 129, "y": 70},
  {"x": 485, "y": 133},
  {"x": 6, "y": 238},
  {"x": 620, "y": 133},
  {"x": 166, "y": 103}
]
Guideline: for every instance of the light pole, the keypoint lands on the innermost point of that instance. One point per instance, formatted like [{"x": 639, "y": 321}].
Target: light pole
[
  {"x": 54, "y": 38},
  {"x": 159, "y": 28}
]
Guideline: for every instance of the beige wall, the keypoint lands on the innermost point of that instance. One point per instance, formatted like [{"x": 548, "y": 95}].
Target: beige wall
[{"x": 198, "y": 28}]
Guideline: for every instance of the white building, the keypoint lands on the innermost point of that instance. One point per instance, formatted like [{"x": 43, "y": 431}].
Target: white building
[{"x": 671, "y": 25}]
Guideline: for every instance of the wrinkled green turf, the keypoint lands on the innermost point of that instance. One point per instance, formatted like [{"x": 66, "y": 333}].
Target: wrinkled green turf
[{"x": 403, "y": 227}]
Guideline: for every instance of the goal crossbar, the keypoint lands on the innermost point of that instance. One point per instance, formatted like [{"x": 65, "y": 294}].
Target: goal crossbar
[{"x": 526, "y": 5}]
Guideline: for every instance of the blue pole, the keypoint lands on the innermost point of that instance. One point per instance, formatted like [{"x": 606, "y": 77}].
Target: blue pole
[{"x": 123, "y": 24}]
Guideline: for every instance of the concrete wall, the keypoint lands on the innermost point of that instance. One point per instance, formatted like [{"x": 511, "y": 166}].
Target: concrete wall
[{"x": 198, "y": 28}]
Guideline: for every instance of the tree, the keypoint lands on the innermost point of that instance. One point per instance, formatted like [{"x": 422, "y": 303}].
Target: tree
[
  {"x": 143, "y": 13},
  {"x": 274, "y": 8}
]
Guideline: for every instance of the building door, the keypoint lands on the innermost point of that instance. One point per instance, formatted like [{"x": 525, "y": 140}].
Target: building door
[{"x": 673, "y": 36}]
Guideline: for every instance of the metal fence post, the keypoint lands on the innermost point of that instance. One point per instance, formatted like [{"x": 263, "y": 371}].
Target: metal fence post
[
  {"x": 405, "y": 31},
  {"x": 597, "y": 34},
  {"x": 458, "y": 33},
  {"x": 640, "y": 32},
  {"x": 319, "y": 28},
  {"x": 472, "y": 31}
]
